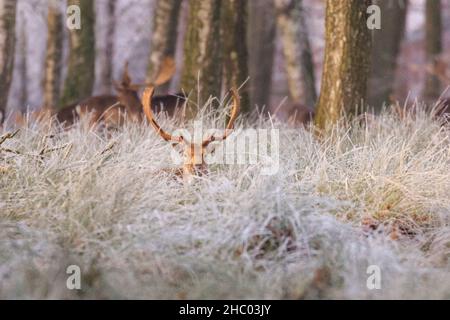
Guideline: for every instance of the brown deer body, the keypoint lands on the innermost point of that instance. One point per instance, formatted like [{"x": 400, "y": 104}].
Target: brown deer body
[
  {"x": 194, "y": 152},
  {"x": 113, "y": 110},
  {"x": 106, "y": 109}
]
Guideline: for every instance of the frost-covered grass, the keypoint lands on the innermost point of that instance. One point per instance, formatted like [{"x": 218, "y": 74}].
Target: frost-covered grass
[{"x": 375, "y": 194}]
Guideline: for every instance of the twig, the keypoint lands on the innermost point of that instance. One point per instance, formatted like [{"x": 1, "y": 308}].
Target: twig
[
  {"x": 45, "y": 150},
  {"x": 11, "y": 151},
  {"x": 111, "y": 145},
  {"x": 8, "y": 135}
]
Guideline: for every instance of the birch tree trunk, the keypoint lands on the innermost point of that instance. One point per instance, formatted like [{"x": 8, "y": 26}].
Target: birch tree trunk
[
  {"x": 7, "y": 44},
  {"x": 164, "y": 37},
  {"x": 80, "y": 78},
  {"x": 235, "y": 58},
  {"x": 347, "y": 60},
  {"x": 202, "y": 74},
  {"x": 433, "y": 48},
  {"x": 385, "y": 51},
  {"x": 107, "y": 55},
  {"x": 54, "y": 56},
  {"x": 261, "y": 42},
  {"x": 297, "y": 51}
]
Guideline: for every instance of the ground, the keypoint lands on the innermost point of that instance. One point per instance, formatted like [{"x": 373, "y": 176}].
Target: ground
[{"x": 373, "y": 192}]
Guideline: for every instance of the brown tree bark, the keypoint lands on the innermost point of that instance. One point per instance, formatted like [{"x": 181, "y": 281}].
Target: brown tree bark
[
  {"x": 385, "y": 51},
  {"x": 235, "y": 59},
  {"x": 54, "y": 56},
  {"x": 164, "y": 37},
  {"x": 80, "y": 78},
  {"x": 297, "y": 51},
  {"x": 347, "y": 61},
  {"x": 261, "y": 43},
  {"x": 7, "y": 46},
  {"x": 433, "y": 49},
  {"x": 202, "y": 73}
]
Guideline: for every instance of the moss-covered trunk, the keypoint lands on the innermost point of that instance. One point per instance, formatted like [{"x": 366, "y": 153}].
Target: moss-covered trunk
[
  {"x": 433, "y": 48},
  {"x": 7, "y": 46},
  {"x": 347, "y": 60},
  {"x": 202, "y": 73},
  {"x": 235, "y": 56},
  {"x": 261, "y": 43},
  {"x": 164, "y": 37},
  {"x": 53, "y": 59},
  {"x": 385, "y": 51},
  {"x": 297, "y": 51},
  {"x": 80, "y": 78}
]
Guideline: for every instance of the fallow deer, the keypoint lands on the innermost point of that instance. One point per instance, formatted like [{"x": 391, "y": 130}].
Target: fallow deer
[
  {"x": 107, "y": 109},
  {"x": 111, "y": 110},
  {"x": 194, "y": 152}
]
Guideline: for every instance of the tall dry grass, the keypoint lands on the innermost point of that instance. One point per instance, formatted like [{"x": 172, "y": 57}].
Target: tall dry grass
[{"x": 368, "y": 193}]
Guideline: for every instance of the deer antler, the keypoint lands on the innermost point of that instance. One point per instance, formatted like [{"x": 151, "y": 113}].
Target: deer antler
[
  {"x": 230, "y": 125},
  {"x": 166, "y": 71},
  {"x": 146, "y": 103}
]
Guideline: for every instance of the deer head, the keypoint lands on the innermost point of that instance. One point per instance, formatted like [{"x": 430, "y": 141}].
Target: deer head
[
  {"x": 194, "y": 152},
  {"x": 127, "y": 94},
  {"x": 128, "y": 91}
]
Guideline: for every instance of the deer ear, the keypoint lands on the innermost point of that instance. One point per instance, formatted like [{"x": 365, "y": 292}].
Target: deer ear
[{"x": 126, "y": 79}]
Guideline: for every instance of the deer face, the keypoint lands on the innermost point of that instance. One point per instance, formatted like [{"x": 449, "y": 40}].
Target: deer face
[
  {"x": 194, "y": 161},
  {"x": 194, "y": 153}
]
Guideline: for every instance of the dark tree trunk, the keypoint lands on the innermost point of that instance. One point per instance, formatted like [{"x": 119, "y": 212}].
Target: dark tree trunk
[
  {"x": 54, "y": 56},
  {"x": 433, "y": 49},
  {"x": 202, "y": 74},
  {"x": 261, "y": 42},
  {"x": 107, "y": 55},
  {"x": 385, "y": 51},
  {"x": 23, "y": 70},
  {"x": 80, "y": 78},
  {"x": 7, "y": 46},
  {"x": 347, "y": 61},
  {"x": 235, "y": 59}
]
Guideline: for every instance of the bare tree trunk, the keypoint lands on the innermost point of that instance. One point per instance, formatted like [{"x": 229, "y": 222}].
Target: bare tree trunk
[
  {"x": 81, "y": 70},
  {"x": 347, "y": 60},
  {"x": 107, "y": 55},
  {"x": 234, "y": 33},
  {"x": 23, "y": 70},
  {"x": 297, "y": 51},
  {"x": 433, "y": 48},
  {"x": 54, "y": 56},
  {"x": 202, "y": 74},
  {"x": 261, "y": 42},
  {"x": 385, "y": 51},
  {"x": 7, "y": 44},
  {"x": 164, "y": 37}
]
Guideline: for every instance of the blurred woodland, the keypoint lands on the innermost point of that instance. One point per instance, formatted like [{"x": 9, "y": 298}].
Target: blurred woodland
[{"x": 270, "y": 49}]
